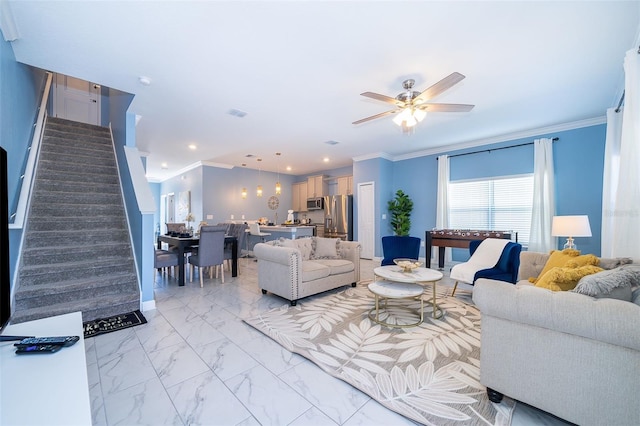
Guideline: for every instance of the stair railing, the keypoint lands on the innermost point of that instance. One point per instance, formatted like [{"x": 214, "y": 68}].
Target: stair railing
[{"x": 17, "y": 216}]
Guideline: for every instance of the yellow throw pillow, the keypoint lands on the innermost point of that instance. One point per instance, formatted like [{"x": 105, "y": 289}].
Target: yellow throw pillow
[
  {"x": 556, "y": 259},
  {"x": 565, "y": 278},
  {"x": 584, "y": 260}
]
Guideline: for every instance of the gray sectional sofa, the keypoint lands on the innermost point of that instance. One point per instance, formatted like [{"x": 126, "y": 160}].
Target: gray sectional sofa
[
  {"x": 294, "y": 269},
  {"x": 574, "y": 355}
]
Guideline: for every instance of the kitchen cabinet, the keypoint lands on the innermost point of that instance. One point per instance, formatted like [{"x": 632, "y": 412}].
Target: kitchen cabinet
[
  {"x": 299, "y": 197},
  {"x": 345, "y": 185},
  {"x": 317, "y": 187}
]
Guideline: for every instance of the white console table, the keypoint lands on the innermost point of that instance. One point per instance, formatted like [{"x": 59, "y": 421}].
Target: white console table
[{"x": 45, "y": 389}]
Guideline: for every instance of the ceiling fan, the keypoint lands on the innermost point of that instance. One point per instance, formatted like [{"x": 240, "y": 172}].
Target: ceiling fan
[{"x": 412, "y": 106}]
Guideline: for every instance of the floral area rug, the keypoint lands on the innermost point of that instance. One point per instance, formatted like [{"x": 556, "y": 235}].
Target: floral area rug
[{"x": 429, "y": 373}]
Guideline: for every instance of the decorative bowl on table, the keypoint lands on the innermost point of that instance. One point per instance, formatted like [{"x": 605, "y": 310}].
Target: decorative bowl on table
[{"x": 407, "y": 265}]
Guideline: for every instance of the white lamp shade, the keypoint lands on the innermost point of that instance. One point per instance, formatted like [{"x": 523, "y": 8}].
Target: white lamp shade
[{"x": 571, "y": 226}]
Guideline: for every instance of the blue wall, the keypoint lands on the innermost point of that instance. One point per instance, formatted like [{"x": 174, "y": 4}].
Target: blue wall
[
  {"x": 20, "y": 89},
  {"x": 578, "y": 166}
]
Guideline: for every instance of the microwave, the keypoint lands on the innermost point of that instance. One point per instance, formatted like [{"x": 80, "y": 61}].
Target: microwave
[{"x": 315, "y": 203}]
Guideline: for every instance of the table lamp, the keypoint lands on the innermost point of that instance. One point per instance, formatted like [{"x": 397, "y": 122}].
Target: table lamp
[{"x": 570, "y": 227}]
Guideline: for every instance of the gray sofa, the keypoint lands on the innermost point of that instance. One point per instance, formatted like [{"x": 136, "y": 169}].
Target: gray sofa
[
  {"x": 570, "y": 354},
  {"x": 294, "y": 269}
]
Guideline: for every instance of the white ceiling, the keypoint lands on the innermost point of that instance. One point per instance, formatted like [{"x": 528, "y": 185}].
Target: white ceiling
[{"x": 297, "y": 69}]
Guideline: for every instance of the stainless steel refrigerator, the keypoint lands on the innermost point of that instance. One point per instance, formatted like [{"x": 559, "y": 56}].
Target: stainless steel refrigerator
[{"x": 338, "y": 217}]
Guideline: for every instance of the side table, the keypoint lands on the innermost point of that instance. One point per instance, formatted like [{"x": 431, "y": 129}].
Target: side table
[
  {"x": 394, "y": 290},
  {"x": 419, "y": 276}
]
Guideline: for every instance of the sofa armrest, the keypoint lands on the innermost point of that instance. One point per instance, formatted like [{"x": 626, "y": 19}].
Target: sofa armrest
[
  {"x": 607, "y": 320},
  {"x": 350, "y": 250},
  {"x": 531, "y": 264},
  {"x": 281, "y": 255}
]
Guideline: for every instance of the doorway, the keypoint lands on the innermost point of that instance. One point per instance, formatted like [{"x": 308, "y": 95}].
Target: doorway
[
  {"x": 76, "y": 100},
  {"x": 366, "y": 219}
]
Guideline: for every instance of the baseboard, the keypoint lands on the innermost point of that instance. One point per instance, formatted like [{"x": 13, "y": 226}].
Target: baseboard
[{"x": 149, "y": 305}]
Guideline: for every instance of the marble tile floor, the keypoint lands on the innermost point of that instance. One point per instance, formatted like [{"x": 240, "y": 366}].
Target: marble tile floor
[{"x": 197, "y": 362}]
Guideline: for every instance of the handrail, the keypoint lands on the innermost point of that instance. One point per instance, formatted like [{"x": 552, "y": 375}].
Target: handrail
[{"x": 27, "y": 177}]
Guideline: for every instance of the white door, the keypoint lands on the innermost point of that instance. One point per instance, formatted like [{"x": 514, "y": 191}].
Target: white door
[
  {"x": 366, "y": 219},
  {"x": 76, "y": 100}
]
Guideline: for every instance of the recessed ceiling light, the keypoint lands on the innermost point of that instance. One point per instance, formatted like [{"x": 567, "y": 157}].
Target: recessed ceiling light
[
  {"x": 289, "y": 168},
  {"x": 145, "y": 81},
  {"x": 164, "y": 165},
  {"x": 193, "y": 146},
  {"x": 332, "y": 142},
  {"x": 325, "y": 159}
]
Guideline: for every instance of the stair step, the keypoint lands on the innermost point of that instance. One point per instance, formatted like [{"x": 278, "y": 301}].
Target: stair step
[
  {"x": 77, "y": 156},
  {"x": 71, "y": 223},
  {"x": 63, "y": 239},
  {"x": 50, "y": 168},
  {"x": 100, "y": 307},
  {"x": 74, "y": 127},
  {"x": 66, "y": 291},
  {"x": 65, "y": 209},
  {"x": 82, "y": 269},
  {"x": 62, "y": 142},
  {"x": 71, "y": 178},
  {"x": 49, "y": 185},
  {"x": 53, "y": 255},
  {"x": 82, "y": 198}
]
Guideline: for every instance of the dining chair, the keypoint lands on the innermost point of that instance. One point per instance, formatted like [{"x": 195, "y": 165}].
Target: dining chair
[
  {"x": 175, "y": 227},
  {"x": 165, "y": 259},
  {"x": 237, "y": 230},
  {"x": 210, "y": 252}
]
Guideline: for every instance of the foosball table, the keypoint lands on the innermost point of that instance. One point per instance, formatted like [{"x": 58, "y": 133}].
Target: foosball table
[{"x": 457, "y": 238}]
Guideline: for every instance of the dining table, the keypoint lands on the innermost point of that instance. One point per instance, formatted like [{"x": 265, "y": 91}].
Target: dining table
[{"x": 183, "y": 243}]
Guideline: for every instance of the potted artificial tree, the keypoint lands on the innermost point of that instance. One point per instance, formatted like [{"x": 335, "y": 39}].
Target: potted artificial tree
[
  {"x": 400, "y": 245},
  {"x": 400, "y": 208}
]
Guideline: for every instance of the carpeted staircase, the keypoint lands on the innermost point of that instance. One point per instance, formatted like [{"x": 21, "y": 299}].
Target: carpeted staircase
[{"x": 77, "y": 253}]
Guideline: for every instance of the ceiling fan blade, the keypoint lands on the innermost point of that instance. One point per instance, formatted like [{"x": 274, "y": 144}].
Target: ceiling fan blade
[
  {"x": 373, "y": 117},
  {"x": 445, "y": 107},
  {"x": 383, "y": 98},
  {"x": 439, "y": 87}
]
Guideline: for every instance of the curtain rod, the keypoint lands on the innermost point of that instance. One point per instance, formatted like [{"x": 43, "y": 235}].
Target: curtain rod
[
  {"x": 496, "y": 149},
  {"x": 620, "y": 103}
]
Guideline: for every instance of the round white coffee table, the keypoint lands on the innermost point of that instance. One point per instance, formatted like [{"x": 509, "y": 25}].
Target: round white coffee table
[
  {"x": 394, "y": 290},
  {"x": 416, "y": 276}
]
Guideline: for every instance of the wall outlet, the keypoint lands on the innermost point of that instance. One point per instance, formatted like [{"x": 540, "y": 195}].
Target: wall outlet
[
  {"x": 384, "y": 216},
  {"x": 209, "y": 216},
  {"x": 231, "y": 217},
  {"x": 242, "y": 217},
  {"x": 422, "y": 244}
]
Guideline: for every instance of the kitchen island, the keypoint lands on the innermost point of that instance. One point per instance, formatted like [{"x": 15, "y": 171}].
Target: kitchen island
[{"x": 290, "y": 232}]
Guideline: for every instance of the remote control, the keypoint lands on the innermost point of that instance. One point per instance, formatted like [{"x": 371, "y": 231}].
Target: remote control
[
  {"x": 55, "y": 340},
  {"x": 38, "y": 349}
]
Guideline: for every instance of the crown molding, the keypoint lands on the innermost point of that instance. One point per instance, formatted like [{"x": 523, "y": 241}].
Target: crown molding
[{"x": 504, "y": 138}]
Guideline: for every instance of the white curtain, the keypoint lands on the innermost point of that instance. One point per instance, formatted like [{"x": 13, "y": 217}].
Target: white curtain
[
  {"x": 543, "y": 208},
  {"x": 626, "y": 213},
  {"x": 442, "y": 203},
  {"x": 610, "y": 180}
]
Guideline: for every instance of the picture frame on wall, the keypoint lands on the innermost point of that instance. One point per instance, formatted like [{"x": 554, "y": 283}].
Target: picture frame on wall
[{"x": 184, "y": 205}]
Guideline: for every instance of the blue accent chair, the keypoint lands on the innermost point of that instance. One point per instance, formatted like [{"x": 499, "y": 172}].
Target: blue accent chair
[
  {"x": 505, "y": 270},
  {"x": 395, "y": 247}
]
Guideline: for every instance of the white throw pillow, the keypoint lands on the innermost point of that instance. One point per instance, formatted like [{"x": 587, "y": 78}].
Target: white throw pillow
[
  {"x": 305, "y": 246},
  {"x": 325, "y": 248}
]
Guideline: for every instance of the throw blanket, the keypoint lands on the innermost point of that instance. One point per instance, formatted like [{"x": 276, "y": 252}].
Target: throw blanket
[{"x": 486, "y": 256}]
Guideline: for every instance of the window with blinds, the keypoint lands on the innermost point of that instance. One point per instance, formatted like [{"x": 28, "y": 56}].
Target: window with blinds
[{"x": 501, "y": 204}]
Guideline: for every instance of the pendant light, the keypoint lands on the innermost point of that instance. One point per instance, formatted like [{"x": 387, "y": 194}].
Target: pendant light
[
  {"x": 244, "y": 189},
  {"x": 259, "y": 188},
  {"x": 278, "y": 186}
]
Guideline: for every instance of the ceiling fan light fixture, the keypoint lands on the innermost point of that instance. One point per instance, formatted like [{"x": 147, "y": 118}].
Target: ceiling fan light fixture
[{"x": 419, "y": 114}]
